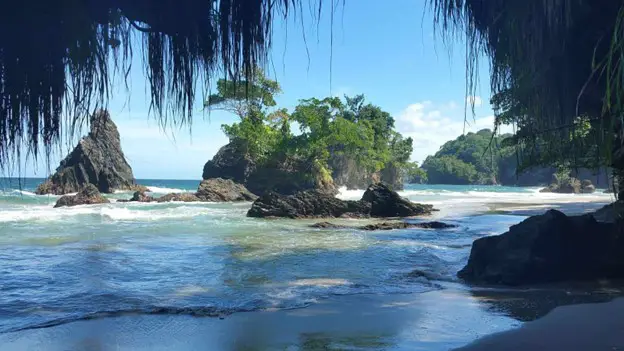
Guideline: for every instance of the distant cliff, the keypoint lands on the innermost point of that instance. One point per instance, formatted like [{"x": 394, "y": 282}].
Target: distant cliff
[{"x": 481, "y": 158}]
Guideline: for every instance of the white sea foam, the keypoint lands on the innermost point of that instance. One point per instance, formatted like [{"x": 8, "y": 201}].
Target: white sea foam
[
  {"x": 159, "y": 190},
  {"x": 129, "y": 214},
  {"x": 46, "y": 213}
]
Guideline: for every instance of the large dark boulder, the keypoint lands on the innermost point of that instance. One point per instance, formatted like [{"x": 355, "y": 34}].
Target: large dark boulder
[
  {"x": 89, "y": 195},
  {"x": 232, "y": 161},
  {"x": 97, "y": 159},
  {"x": 388, "y": 203},
  {"x": 548, "y": 248},
  {"x": 306, "y": 204},
  {"x": 378, "y": 201},
  {"x": 221, "y": 190}
]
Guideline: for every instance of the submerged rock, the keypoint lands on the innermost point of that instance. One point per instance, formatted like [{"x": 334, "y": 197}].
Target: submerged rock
[
  {"x": 328, "y": 225},
  {"x": 97, "y": 160},
  {"x": 222, "y": 190},
  {"x": 548, "y": 248},
  {"x": 386, "y": 226},
  {"x": 89, "y": 195},
  {"x": 406, "y": 225},
  {"x": 378, "y": 201}
]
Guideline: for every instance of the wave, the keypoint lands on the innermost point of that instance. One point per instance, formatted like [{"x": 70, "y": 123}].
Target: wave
[
  {"x": 163, "y": 190},
  {"x": 140, "y": 212}
]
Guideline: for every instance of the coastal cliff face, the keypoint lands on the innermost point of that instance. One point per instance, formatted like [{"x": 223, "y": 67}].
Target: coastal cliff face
[
  {"x": 97, "y": 159},
  {"x": 282, "y": 174},
  {"x": 347, "y": 173}
]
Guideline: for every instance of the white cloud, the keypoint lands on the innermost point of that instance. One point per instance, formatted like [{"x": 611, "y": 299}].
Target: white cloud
[
  {"x": 474, "y": 99},
  {"x": 431, "y": 125}
]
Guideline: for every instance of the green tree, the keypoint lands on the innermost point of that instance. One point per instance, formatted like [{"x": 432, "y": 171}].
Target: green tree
[{"x": 241, "y": 96}]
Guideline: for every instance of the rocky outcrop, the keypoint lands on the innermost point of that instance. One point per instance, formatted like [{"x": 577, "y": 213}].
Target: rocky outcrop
[
  {"x": 282, "y": 174},
  {"x": 346, "y": 172},
  {"x": 571, "y": 186},
  {"x": 548, "y": 248},
  {"x": 388, "y": 203},
  {"x": 209, "y": 190},
  {"x": 97, "y": 159},
  {"x": 287, "y": 176},
  {"x": 385, "y": 226},
  {"x": 378, "y": 201},
  {"x": 232, "y": 161},
  {"x": 587, "y": 187},
  {"x": 89, "y": 195},
  {"x": 178, "y": 197},
  {"x": 393, "y": 176},
  {"x": 306, "y": 204},
  {"x": 223, "y": 190}
]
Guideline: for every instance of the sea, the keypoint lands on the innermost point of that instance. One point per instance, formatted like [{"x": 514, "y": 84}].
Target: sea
[{"x": 60, "y": 265}]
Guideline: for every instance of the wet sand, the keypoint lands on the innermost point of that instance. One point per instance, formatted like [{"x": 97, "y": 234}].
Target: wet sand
[
  {"x": 595, "y": 327},
  {"x": 438, "y": 320}
]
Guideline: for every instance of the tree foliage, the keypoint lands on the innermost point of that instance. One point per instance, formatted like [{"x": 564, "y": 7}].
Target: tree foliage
[
  {"x": 471, "y": 158},
  {"x": 326, "y": 127}
]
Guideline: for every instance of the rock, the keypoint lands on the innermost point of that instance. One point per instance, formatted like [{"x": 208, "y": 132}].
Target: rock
[
  {"x": 386, "y": 226},
  {"x": 587, "y": 187},
  {"x": 570, "y": 186},
  {"x": 610, "y": 213},
  {"x": 179, "y": 197},
  {"x": 89, "y": 195},
  {"x": 281, "y": 173},
  {"x": 232, "y": 161},
  {"x": 221, "y": 190},
  {"x": 140, "y": 196},
  {"x": 548, "y": 248},
  {"x": 328, "y": 225},
  {"x": 288, "y": 175},
  {"x": 306, "y": 204},
  {"x": 97, "y": 160},
  {"x": 388, "y": 203},
  {"x": 378, "y": 201},
  {"x": 347, "y": 173},
  {"x": 393, "y": 176}
]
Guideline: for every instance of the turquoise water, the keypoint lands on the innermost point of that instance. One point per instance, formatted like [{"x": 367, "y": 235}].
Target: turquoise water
[{"x": 208, "y": 259}]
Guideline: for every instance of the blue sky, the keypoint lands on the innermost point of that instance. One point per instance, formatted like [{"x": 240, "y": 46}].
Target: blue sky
[{"x": 388, "y": 53}]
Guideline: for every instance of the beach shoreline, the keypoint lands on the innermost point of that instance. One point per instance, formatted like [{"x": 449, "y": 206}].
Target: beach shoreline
[{"x": 449, "y": 318}]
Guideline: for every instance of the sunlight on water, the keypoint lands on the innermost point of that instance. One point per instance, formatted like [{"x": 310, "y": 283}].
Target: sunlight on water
[{"x": 210, "y": 259}]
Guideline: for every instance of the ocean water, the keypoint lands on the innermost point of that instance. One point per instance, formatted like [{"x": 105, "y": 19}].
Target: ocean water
[{"x": 209, "y": 259}]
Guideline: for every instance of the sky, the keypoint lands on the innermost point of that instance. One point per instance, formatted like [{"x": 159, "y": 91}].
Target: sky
[{"x": 388, "y": 53}]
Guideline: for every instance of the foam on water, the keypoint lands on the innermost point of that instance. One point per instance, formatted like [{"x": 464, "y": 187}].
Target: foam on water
[
  {"x": 162, "y": 190},
  {"x": 209, "y": 259}
]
